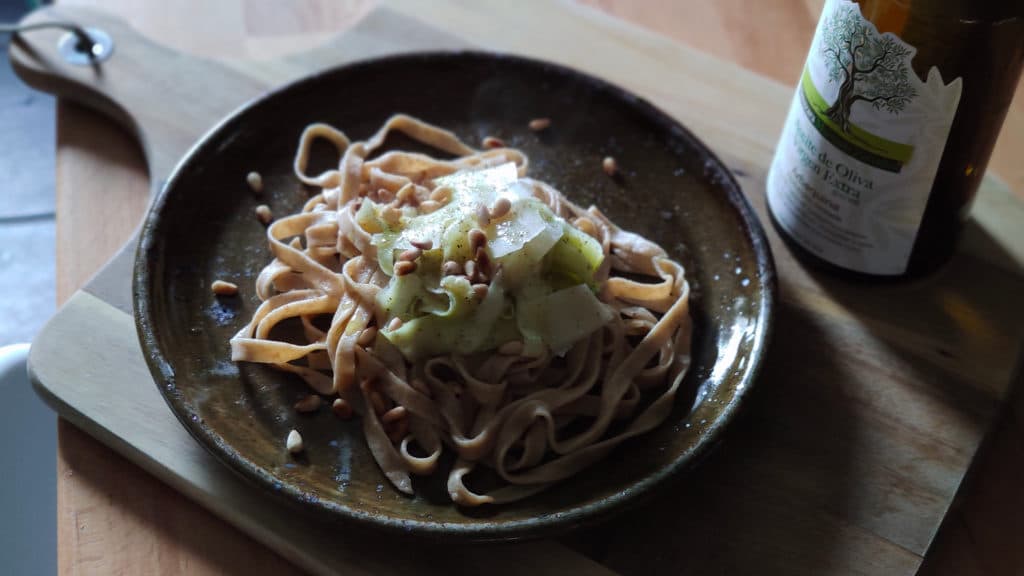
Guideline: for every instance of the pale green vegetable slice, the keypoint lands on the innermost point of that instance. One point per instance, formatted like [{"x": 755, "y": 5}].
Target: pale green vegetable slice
[
  {"x": 545, "y": 293},
  {"x": 400, "y": 295},
  {"x": 455, "y": 242},
  {"x": 562, "y": 318},
  {"x": 448, "y": 225},
  {"x": 474, "y": 186},
  {"x": 574, "y": 258},
  {"x": 368, "y": 217},
  {"x": 410, "y": 295},
  {"x": 467, "y": 326},
  {"x": 530, "y": 224}
]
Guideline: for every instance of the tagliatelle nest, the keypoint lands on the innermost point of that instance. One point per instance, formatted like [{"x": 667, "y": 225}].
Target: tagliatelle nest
[{"x": 500, "y": 395}]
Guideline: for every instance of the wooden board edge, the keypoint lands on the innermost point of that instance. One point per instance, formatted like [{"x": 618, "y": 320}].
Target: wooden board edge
[{"x": 306, "y": 542}]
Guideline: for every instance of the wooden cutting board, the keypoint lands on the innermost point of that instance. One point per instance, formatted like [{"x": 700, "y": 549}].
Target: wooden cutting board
[{"x": 874, "y": 399}]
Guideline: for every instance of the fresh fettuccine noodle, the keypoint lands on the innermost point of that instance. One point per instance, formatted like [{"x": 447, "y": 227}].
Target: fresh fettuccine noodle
[{"x": 513, "y": 386}]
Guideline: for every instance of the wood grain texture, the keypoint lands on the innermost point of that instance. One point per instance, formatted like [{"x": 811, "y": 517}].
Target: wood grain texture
[
  {"x": 728, "y": 29},
  {"x": 772, "y": 39},
  {"x": 101, "y": 186},
  {"x": 900, "y": 344},
  {"x": 186, "y": 540},
  {"x": 130, "y": 90},
  {"x": 104, "y": 536},
  {"x": 102, "y": 192},
  {"x": 981, "y": 534}
]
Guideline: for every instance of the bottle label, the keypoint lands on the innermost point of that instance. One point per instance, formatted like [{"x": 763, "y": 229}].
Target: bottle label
[{"x": 860, "y": 147}]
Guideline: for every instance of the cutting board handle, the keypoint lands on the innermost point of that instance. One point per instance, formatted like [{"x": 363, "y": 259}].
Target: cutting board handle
[
  {"x": 168, "y": 99},
  {"x": 164, "y": 97}
]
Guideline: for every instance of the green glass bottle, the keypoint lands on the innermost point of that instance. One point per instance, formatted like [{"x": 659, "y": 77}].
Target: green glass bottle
[{"x": 894, "y": 119}]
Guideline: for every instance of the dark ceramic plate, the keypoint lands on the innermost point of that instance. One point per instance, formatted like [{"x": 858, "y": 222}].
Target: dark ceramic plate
[{"x": 672, "y": 189}]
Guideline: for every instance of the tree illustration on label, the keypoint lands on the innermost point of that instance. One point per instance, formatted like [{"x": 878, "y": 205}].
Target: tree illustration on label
[{"x": 869, "y": 66}]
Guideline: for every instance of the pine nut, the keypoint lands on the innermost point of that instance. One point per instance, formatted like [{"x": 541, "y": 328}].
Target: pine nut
[
  {"x": 470, "y": 267},
  {"x": 222, "y": 288},
  {"x": 451, "y": 268},
  {"x": 422, "y": 244},
  {"x": 391, "y": 215},
  {"x": 404, "y": 267},
  {"x": 429, "y": 207},
  {"x": 407, "y": 195},
  {"x": 501, "y": 207},
  {"x": 310, "y": 403},
  {"x": 538, "y": 124},
  {"x": 410, "y": 255},
  {"x": 393, "y": 415},
  {"x": 585, "y": 225},
  {"x": 294, "y": 442},
  {"x": 441, "y": 195},
  {"x": 476, "y": 238},
  {"x": 263, "y": 214},
  {"x": 480, "y": 290},
  {"x": 341, "y": 409},
  {"x": 255, "y": 181},
  {"x": 610, "y": 166},
  {"x": 367, "y": 337},
  {"x": 394, "y": 324},
  {"x": 483, "y": 216}
]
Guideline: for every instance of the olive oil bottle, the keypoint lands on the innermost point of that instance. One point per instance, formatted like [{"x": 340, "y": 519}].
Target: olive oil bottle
[{"x": 887, "y": 138}]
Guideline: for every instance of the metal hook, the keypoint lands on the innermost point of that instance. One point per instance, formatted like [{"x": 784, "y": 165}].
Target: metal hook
[
  {"x": 97, "y": 47},
  {"x": 80, "y": 46}
]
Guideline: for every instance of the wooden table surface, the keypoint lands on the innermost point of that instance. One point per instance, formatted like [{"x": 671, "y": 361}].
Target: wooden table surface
[{"x": 114, "y": 518}]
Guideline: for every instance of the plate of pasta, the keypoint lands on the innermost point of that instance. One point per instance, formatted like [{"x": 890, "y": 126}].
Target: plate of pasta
[{"x": 455, "y": 294}]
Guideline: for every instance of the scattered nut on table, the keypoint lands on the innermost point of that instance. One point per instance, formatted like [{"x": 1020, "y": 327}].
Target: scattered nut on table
[
  {"x": 223, "y": 288},
  {"x": 610, "y": 166},
  {"x": 294, "y": 442},
  {"x": 493, "y": 142},
  {"x": 341, "y": 409},
  {"x": 310, "y": 403},
  {"x": 255, "y": 181},
  {"x": 263, "y": 214},
  {"x": 538, "y": 124}
]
